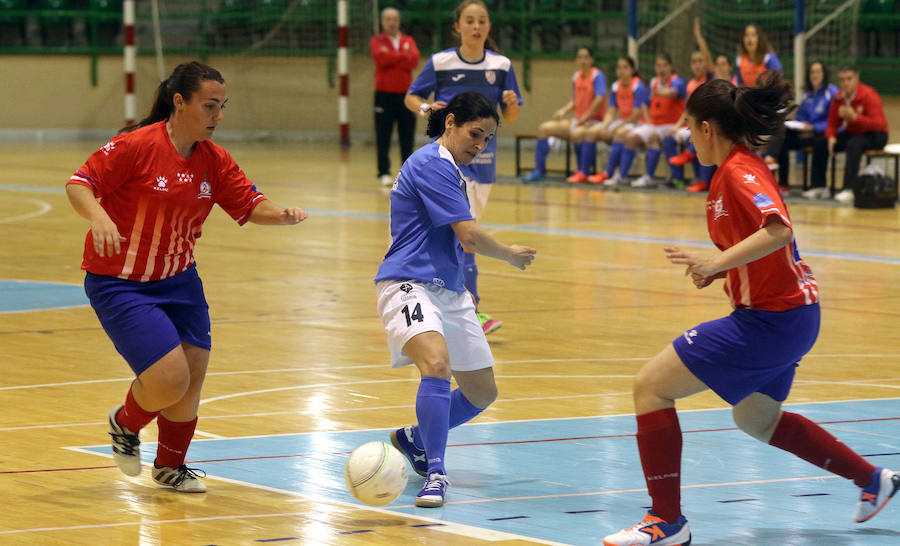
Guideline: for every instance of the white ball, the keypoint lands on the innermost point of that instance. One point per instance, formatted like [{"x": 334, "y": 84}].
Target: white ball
[{"x": 376, "y": 473}]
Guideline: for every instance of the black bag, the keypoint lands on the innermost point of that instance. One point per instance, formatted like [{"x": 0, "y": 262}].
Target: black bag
[{"x": 874, "y": 191}]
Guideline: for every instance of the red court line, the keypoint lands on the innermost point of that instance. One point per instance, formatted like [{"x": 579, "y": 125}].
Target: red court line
[{"x": 508, "y": 442}]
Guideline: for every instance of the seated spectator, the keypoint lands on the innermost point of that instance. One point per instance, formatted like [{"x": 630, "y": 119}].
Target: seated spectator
[
  {"x": 807, "y": 130},
  {"x": 725, "y": 69},
  {"x": 667, "y": 96},
  {"x": 589, "y": 105},
  {"x": 628, "y": 101},
  {"x": 858, "y": 111},
  {"x": 755, "y": 56}
]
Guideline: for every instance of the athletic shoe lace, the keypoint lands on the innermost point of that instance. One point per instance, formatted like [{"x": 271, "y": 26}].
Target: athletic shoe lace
[
  {"x": 125, "y": 443},
  {"x": 185, "y": 473},
  {"x": 435, "y": 485}
]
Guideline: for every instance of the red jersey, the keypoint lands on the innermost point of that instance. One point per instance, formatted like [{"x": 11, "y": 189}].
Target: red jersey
[
  {"x": 393, "y": 65},
  {"x": 667, "y": 110},
  {"x": 628, "y": 97},
  {"x": 694, "y": 83},
  {"x": 585, "y": 89},
  {"x": 159, "y": 200},
  {"x": 869, "y": 113},
  {"x": 743, "y": 194}
]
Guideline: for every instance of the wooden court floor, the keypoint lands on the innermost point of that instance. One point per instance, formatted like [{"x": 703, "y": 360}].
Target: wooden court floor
[{"x": 298, "y": 348}]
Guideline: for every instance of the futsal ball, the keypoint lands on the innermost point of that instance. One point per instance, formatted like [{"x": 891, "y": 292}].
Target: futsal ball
[{"x": 376, "y": 473}]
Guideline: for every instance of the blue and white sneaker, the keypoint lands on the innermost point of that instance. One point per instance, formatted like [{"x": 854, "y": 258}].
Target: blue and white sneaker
[
  {"x": 534, "y": 176},
  {"x": 402, "y": 439},
  {"x": 652, "y": 531},
  {"x": 885, "y": 484},
  {"x": 432, "y": 495}
]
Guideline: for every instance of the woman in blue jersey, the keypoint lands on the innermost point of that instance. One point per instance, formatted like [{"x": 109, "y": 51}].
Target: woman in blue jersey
[
  {"x": 470, "y": 67},
  {"x": 428, "y": 315}
]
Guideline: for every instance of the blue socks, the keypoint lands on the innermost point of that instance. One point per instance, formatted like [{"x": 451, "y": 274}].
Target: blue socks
[
  {"x": 627, "y": 157},
  {"x": 461, "y": 411},
  {"x": 652, "y": 161},
  {"x": 587, "y": 156},
  {"x": 433, "y": 413},
  {"x": 615, "y": 155},
  {"x": 470, "y": 275},
  {"x": 671, "y": 148},
  {"x": 540, "y": 155},
  {"x": 704, "y": 173}
]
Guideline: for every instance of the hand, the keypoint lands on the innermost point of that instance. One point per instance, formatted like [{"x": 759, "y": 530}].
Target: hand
[
  {"x": 521, "y": 256},
  {"x": 701, "y": 281},
  {"x": 437, "y": 105},
  {"x": 293, "y": 215},
  {"x": 510, "y": 98},
  {"x": 558, "y": 115},
  {"x": 831, "y": 142},
  {"x": 697, "y": 262},
  {"x": 696, "y": 25},
  {"x": 807, "y": 128},
  {"x": 106, "y": 237}
]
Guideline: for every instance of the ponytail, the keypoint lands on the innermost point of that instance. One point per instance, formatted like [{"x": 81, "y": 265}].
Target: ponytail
[
  {"x": 744, "y": 113},
  {"x": 465, "y": 107},
  {"x": 185, "y": 80}
]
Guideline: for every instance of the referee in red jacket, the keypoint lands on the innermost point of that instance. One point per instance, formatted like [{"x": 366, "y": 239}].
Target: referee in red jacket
[{"x": 396, "y": 55}]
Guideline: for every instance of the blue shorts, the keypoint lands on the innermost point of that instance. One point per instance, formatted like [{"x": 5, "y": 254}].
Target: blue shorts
[
  {"x": 146, "y": 320},
  {"x": 750, "y": 351}
]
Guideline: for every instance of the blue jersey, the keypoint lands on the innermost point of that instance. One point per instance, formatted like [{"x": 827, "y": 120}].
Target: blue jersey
[
  {"x": 428, "y": 196},
  {"x": 814, "y": 107},
  {"x": 446, "y": 75}
]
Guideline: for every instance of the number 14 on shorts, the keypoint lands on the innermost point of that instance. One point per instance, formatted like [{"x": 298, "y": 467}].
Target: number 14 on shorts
[{"x": 416, "y": 314}]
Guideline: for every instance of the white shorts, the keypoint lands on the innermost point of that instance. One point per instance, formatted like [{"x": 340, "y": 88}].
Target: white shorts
[
  {"x": 682, "y": 135},
  {"x": 615, "y": 124},
  {"x": 409, "y": 308},
  {"x": 647, "y": 130}
]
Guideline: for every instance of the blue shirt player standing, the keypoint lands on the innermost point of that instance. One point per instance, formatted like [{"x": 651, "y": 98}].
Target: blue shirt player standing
[
  {"x": 470, "y": 67},
  {"x": 428, "y": 315}
]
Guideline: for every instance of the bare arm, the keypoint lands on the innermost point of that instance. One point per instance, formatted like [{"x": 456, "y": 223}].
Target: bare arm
[
  {"x": 704, "y": 49},
  {"x": 106, "y": 236},
  {"x": 474, "y": 239},
  {"x": 511, "y": 112},
  {"x": 771, "y": 237},
  {"x": 268, "y": 213}
]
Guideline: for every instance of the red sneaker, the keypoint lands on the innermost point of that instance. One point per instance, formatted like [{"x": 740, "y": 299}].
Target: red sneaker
[
  {"x": 683, "y": 158},
  {"x": 698, "y": 187},
  {"x": 577, "y": 178},
  {"x": 598, "y": 178}
]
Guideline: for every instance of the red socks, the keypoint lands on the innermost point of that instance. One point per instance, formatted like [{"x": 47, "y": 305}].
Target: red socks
[
  {"x": 814, "y": 444},
  {"x": 132, "y": 416},
  {"x": 174, "y": 439},
  {"x": 659, "y": 443}
]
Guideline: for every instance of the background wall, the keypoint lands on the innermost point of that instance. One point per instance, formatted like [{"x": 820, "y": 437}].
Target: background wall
[{"x": 268, "y": 96}]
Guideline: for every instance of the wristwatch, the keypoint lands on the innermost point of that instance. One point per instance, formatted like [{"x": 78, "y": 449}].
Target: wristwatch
[{"x": 424, "y": 108}]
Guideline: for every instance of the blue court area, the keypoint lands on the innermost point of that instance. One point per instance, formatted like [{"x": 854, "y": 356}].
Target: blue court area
[
  {"x": 575, "y": 480},
  {"x": 18, "y": 296}
]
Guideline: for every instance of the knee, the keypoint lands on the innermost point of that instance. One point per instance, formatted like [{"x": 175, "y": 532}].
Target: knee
[
  {"x": 632, "y": 141},
  {"x": 167, "y": 386},
  {"x": 435, "y": 366},
  {"x": 756, "y": 425},
  {"x": 483, "y": 395}
]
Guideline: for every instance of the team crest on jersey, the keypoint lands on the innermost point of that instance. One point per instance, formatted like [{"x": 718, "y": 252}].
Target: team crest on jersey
[
  {"x": 750, "y": 179},
  {"x": 185, "y": 178},
  {"x": 108, "y": 147},
  {"x": 161, "y": 184},
  {"x": 490, "y": 76},
  {"x": 717, "y": 207},
  {"x": 205, "y": 190}
]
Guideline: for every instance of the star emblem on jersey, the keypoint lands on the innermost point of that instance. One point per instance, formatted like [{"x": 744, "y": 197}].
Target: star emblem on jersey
[
  {"x": 161, "y": 183},
  {"x": 750, "y": 179},
  {"x": 185, "y": 178},
  {"x": 406, "y": 287}
]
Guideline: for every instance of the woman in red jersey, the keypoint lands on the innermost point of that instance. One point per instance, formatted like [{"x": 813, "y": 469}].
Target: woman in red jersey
[
  {"x": 156, "y": 184},
  {"x": 748, "y": 358}
]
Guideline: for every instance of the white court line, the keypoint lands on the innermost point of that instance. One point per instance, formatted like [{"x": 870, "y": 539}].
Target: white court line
[
  {"x": 369, "y": 366},
  {"x": 461, "y": 529},
  {"x": 43, "y": 208}
]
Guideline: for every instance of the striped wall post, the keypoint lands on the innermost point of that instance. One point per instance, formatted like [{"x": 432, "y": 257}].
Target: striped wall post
[
  {"x": 343, "y": 115},
  {"x": 130, "y": 61}
]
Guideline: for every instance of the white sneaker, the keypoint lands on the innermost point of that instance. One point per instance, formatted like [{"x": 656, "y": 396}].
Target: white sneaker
[
  {"x": 844, "y": 196},
  {"x": 652, "y": 531},
  {"x": 644, "y": 181},
  {"x": 386, "y": 180},
  {"x": 126, "y": 446},
  {"x": 872, "y": 499},
  {"x": 183, "y": 479},
  {"x": 432, "y": 495},
  {"x": 816, "y": 193},
  {"x": 616, "y": 180}
]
